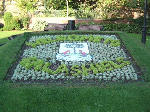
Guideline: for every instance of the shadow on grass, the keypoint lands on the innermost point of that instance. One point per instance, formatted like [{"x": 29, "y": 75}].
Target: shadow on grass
[{"x": 5, "y": 36}]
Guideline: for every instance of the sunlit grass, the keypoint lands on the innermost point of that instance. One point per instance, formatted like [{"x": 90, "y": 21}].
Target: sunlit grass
[{"x": 5, "y": 34}]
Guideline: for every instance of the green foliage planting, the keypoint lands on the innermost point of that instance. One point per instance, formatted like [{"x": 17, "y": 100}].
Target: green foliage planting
[
  {"x": 39, "y": 42},
  {"x": 112, "y": 42},
  {"x": 71, "y": 38},
  {"x": 75, "y": 70}
]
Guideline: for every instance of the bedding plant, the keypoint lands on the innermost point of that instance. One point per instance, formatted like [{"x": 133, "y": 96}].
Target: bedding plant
[{"x": 39, "y": 62}]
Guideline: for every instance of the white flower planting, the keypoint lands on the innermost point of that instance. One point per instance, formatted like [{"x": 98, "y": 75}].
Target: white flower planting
[
  {"x": 102, "y": 52},
  {"x": 42, "y": 52}
]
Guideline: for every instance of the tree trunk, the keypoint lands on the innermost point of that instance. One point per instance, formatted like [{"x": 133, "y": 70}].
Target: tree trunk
[
  {"x": 67, "y": 8},
  {"x": 3, "y": 5}
]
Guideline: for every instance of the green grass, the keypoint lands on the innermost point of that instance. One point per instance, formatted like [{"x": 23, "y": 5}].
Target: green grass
[
  {"x": 129, "y": 97},
  {"x": 140, "y": 52},
  {"x": 5, "y": 34},
  {"x": 125, "y": 98}
]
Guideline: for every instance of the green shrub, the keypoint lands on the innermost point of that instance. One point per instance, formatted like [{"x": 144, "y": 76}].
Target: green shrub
[
  {"x": 139, "y": 20},
  {"x": 8, "y": 27},
  {"x": 8, "y": 17},
  {"x": 16, "y": 23},
  {"x": 84, "y": 12},
  {"x": 25, "y": 22},
  {"x": 134, "y": 26},
  {"x": 11, "y": 22},
  {"x": 39, "y": 25},
  {"x": 131, "y": 28}
]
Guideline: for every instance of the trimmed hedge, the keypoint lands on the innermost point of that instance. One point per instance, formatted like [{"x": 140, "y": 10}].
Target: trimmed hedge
[
  {"x": 134, "y": 25},
  {"x": 130, "y": 28}
]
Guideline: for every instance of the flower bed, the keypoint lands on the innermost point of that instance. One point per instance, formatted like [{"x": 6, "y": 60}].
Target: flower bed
[{"x": 108, "y": 61}]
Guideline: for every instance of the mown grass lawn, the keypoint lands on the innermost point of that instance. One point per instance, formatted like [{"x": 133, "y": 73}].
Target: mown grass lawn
[
  {"x": 5, "y": 34},
  {"x": 116, "y": 97}
]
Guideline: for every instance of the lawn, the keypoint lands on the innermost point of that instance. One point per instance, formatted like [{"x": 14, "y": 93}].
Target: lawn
[
  {"x": 5, "y": 34},
  {"x": 112, "y": 97},
  {"x": 139, "y": 51}
]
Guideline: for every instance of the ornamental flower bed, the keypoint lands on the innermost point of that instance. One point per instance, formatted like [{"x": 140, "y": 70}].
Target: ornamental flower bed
[{"x": 74, "y": 57}]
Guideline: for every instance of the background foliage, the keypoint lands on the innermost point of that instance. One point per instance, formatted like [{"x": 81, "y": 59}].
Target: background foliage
[
  {"x": 82, "y": 9},
  {"x": 103, "y": 9},
  {"x": 14, "y": 22},
  {"x": 27, "y": 6}
]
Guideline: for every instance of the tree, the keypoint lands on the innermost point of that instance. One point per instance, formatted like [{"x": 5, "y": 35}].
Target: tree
[
  {"x": 118, "y": 8},
  {"x": 27, "y": 6},
  {"x": 55, "y": 4}
]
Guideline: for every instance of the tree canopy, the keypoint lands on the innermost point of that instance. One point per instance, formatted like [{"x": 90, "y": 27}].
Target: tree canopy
[{"x": 103, "y": 8}]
